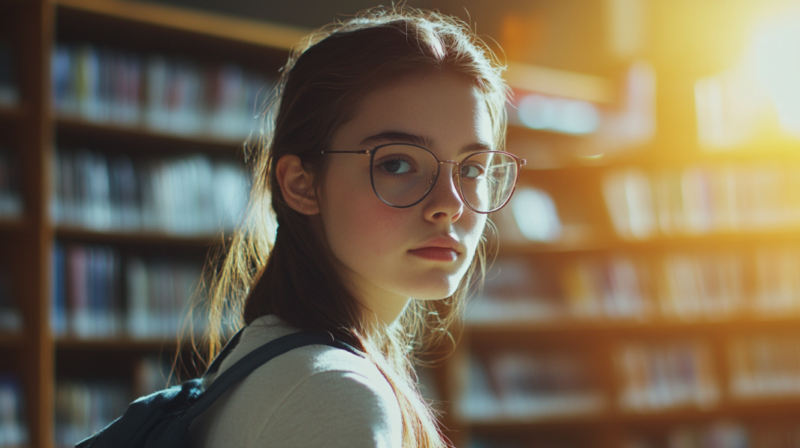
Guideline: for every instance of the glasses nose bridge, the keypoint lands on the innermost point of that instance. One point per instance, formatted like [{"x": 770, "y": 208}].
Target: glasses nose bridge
[{"x": 452, "y": 162}]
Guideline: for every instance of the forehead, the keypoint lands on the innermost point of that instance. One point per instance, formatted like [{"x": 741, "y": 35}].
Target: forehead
[{"x": 442, "y": 107}]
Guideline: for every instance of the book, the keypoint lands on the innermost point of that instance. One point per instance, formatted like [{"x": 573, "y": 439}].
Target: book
[
  {"x": 612, "y": 288},
  {"x": 189, "y": 195},
  {"x": 82, "y": 408},
  {"x": 516, "y": 290},
  {"x": 672, "y": 374},
  {"x": 152, "y": 374},
  {"x": 524, "y": 385},
  {"x": 166, "y": 94},
  {"x": 703, "y": 199},
  {"x": 10, "y": 316},
  {"x": 98, "y": 293},
  {"x": 9, "y": 88},
  {"x": 764, "y": 366},
  {"x": 10, "y": 193},
  {"x": 13, "y": 424}
]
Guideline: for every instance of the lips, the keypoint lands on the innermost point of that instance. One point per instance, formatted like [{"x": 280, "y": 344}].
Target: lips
[
  {"x": 441, "y": 248},
  {"x": 435, "y": 253}
]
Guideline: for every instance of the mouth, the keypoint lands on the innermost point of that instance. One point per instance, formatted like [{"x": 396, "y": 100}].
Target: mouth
[
  {"x": 441, "y": 248},
  {"x": 435, "y": 253}
]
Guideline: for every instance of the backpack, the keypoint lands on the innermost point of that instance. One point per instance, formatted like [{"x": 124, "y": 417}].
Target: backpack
[{"x": 162, "y": 419}]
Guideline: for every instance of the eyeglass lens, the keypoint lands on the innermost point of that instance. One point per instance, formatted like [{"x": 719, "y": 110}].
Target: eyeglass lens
[{"x": 402, "y": 175}]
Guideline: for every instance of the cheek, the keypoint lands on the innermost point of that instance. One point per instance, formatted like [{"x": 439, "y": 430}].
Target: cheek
[
  {"x": 472, "y": 226},
  {"x": 357, "y": 224}
]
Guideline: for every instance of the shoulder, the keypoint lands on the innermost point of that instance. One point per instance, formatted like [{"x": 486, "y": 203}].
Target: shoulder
[{"x": 336, "y": 408}]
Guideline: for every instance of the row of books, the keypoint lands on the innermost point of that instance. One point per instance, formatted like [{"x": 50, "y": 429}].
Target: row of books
[
  {"x": 182, "y": 195},
  {"x": 658, "y": 376},
  {"x": 703, "y": 199},
  {"x": 716, "y": 434},
  {"x": 166, "y": 94},
  {"x": 522, "y": 385},
  {"x": 679, "y": 286},
  {"x": 722, "y": 434},
  {"x": 84, "y": 407},
  {"x": 13, "y": 427},
  {"x": 765, "y": 366},
  {"x": 9, "y": 89},
  {"x": 98, "y": 293},
  {"x": 10, "y": 194},
  {"x": 10, "y": 315}
]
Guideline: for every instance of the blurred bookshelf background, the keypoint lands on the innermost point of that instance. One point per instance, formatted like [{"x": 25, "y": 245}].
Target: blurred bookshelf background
[{"x": 647, "y": 287}]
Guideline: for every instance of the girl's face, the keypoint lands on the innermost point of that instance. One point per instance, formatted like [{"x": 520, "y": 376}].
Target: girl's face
[{"x": 389, "y": 254}]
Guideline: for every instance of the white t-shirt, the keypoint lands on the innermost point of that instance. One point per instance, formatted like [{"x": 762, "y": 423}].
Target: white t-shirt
[{"x": 313, "y": 396}]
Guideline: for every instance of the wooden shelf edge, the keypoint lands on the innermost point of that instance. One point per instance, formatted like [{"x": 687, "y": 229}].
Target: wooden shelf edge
[
  {"x": 194, "y": 143},
  {"x": 12, "y": 340},
  {"x": 12, "y": 223},
  {"x": 124, "y": 343},
  {"x": 613, "y": 242},
  {"x": 137, "y": 237},
  {"x": 601, "y": 326},
  {"x": 259, "y": 33},
  {"x": 668, "y": 416},
  {"x": 17, "y": 112}
]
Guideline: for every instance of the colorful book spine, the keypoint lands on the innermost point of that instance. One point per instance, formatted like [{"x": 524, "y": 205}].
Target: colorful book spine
[
  {"x": 10, "y": 193},
  {"x": 164, "y": 94},
  {"x": 13, "y": 426},
  {"x": 699, "y": 200},
  {"x": 182, "y": 195},
  {"x": 9, "y": 88},
  {"x": 98, "y": 293},
  {"x": 668, "y": 375},
  {"x": 527, "y": 386},
  {"x": 83, "y": 408}
]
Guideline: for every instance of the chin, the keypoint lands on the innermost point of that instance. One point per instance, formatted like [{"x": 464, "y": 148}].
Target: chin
[{"x": 434, "y": 288}]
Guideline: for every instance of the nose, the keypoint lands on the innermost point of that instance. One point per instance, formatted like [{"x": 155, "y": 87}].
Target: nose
[{"x": 444, "y": 202}]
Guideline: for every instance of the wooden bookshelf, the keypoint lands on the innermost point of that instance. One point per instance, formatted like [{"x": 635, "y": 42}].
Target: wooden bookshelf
[
  {"x": 137, "y": 238},
  {"x": 11, "y": 113},
  {"x": 117, "y": 344},
  {"x": 76, "y": 131},
  {"x": 32, "y": 129}
]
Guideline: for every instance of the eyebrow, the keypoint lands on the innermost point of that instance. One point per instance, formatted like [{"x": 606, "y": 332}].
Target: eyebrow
[{"x": 419, "y": 140}]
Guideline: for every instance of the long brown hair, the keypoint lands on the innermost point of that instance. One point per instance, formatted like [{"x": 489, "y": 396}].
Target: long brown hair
[{"x": 287, "y": 270}]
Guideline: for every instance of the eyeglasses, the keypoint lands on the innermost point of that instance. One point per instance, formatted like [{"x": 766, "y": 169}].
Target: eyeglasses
[{"x": 403, "y": 174}]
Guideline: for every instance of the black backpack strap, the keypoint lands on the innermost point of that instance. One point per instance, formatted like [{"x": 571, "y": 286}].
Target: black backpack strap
[
  {"x": 232, "y": 342},
  {"x": 255, "y": 359}
]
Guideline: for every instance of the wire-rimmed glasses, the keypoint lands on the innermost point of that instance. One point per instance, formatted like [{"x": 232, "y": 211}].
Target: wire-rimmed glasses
[{"x": 402, "y": 175}]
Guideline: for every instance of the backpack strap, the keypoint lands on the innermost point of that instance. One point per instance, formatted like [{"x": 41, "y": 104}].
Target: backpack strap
[
  {"x": 229, "y": 346},
  {"x": 255, "y": 359}
]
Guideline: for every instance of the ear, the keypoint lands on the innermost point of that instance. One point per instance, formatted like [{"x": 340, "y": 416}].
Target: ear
[{"x": 296, "y": 185}]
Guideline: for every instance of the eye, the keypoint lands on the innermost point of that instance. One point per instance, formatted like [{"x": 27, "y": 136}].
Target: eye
[
  {"x": 472, "y": 170},
  {"x": 395, "y": 166}
]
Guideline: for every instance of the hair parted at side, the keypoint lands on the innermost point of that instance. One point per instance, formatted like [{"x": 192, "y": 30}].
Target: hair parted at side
[{"x": 288, "y": 271}]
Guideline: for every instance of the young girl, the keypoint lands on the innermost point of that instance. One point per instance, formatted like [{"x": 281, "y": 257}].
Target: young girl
[{"x": 382, "y": 161}]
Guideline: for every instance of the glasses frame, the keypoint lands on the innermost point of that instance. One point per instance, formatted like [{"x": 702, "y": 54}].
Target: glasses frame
[{"x": 456, "y": 173}]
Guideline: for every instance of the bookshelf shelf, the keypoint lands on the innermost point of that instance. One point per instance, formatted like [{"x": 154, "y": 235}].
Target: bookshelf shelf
[
  {"x": 12, "y": 340},
  {"x": 72, "y": 131},
  {"x": 143, "y": 29},
  {"x": 543, "y": 420},
  {"x": 621, "y": 328},
  {"x": 125, "y": 344},
  {"x": 12, "y": 224},
  {"x": 183, "y": 21},
  {"x": 36, "y": 30},
  {"x": 611, "y": 242},
  {"x": 12, "y": 113},
  {"x": 135, "y": 238},
  {"x": 651, "y": 418}
]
